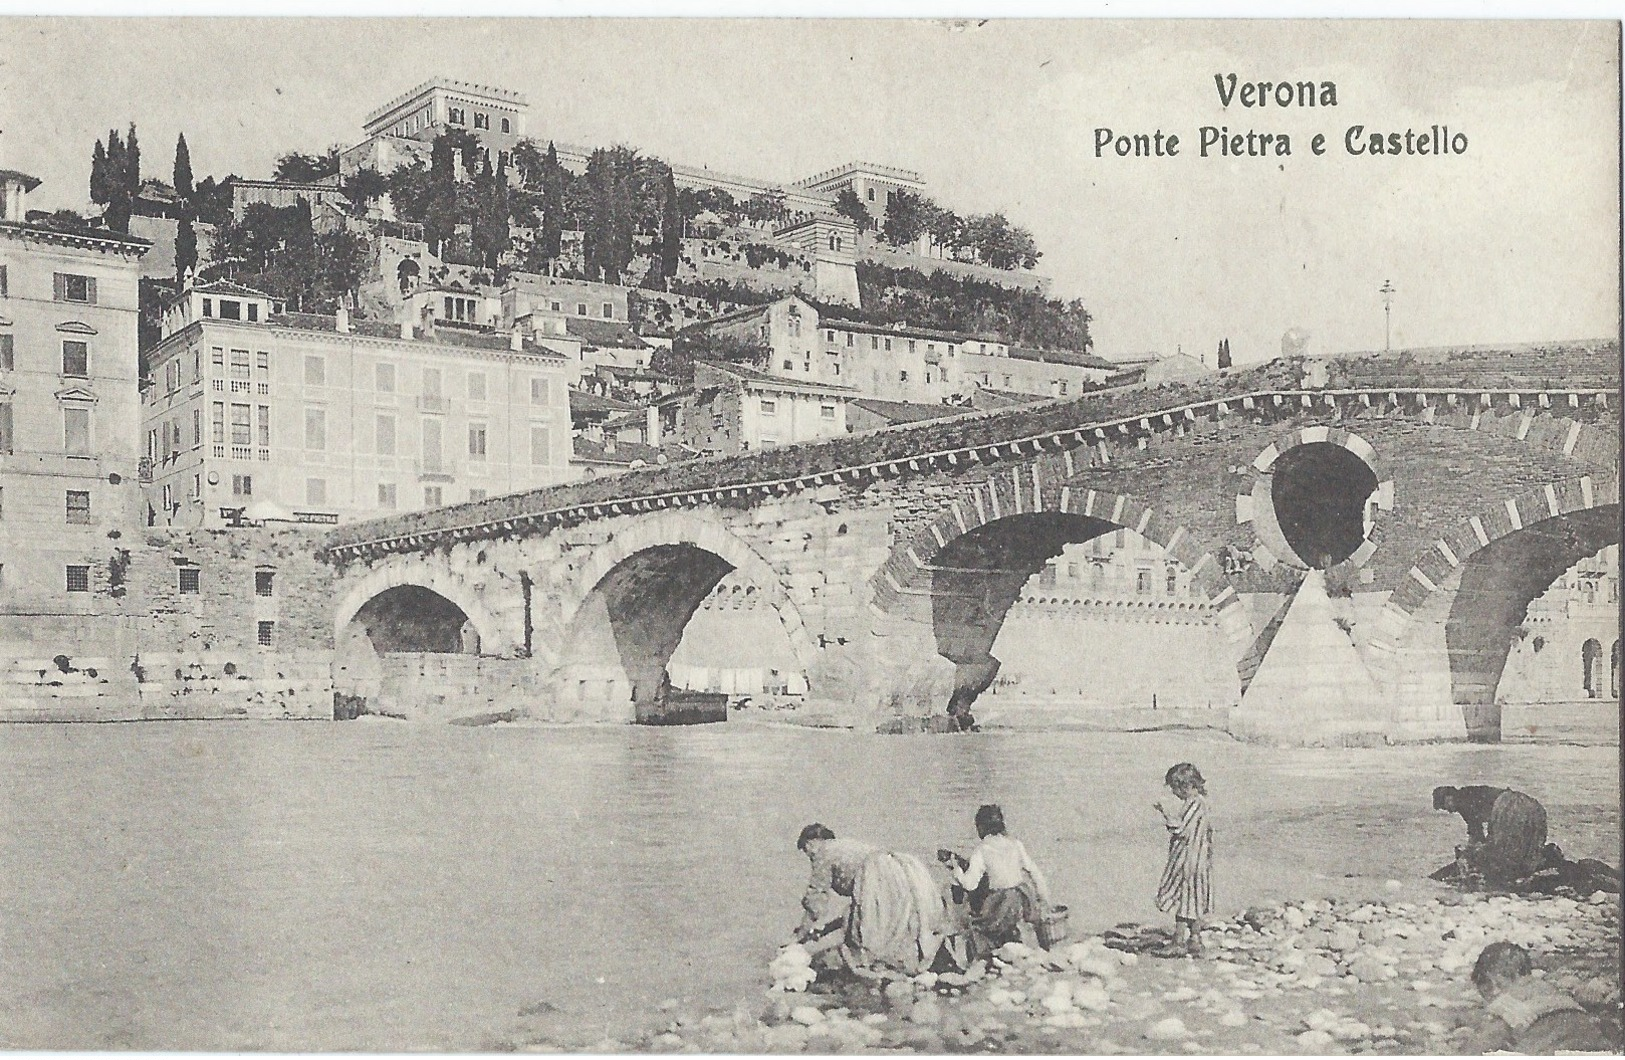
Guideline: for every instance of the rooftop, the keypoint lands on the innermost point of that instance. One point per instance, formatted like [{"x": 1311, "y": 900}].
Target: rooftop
[
  {"x": 907, "y": 176},
  {"x": 905, "y": 411},
  {"x": 755, "y": 377},
  {"x": 504, "y": 94},
  {"x": 609, "y": 451},
  {"x": 374, "y": 329},
  {"x": 585, "y": 401},
  {"x": 75, "y": 235},
  {"x": 603, "y": 333},
  {"x": 1077, "y": 358}
]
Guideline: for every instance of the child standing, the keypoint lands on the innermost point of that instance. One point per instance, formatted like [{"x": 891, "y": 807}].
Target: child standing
[{"x": 1186, "y": 889}]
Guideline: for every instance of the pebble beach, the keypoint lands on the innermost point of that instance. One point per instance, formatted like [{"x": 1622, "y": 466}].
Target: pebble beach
[{"x": 1322, "y": 976}]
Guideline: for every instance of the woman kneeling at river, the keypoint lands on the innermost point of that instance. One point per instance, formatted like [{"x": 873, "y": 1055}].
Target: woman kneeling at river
[
  {"x": 872, "y": 911},
  {"x": 1017, "y": 891}
]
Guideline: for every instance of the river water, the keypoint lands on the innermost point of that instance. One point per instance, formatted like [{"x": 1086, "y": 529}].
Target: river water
[{"x": 384, "y": 886}]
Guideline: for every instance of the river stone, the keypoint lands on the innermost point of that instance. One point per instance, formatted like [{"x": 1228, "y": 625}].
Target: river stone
[
  {"x": 1167, "y": 1030},
  {"x": 1233, "y": 1019},
  {"x": 806, "y": 1015},
  {"x": 1314, "y": 1039}
]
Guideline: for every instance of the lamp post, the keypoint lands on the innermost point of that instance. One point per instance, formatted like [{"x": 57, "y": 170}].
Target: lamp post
[{"x": 1387, "y": 292}]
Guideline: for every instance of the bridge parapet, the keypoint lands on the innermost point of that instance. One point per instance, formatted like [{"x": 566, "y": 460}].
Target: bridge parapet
[{"x": 1104, "y": 419}]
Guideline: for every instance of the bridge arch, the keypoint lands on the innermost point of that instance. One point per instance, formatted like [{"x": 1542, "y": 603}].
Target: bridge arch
[
  {"x": 1314, "y": 500},
  {"x": 972, "y": 561},
  {"x": 628, "y": 604},
  {"x": 434, "y": 577},
  {"x": 1476, "y": 584}
]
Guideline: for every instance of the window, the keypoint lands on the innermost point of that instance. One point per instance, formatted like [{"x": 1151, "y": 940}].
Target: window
[
  {"x": 431, "y": 383},
  {"x": 79, "y": 506},
  {"x": 253, "y": 312},
  {"x": 197, "y": 487},
  {"x": 476, "y": 441},
  {"x": 826, "y": 412},
  {"x": 190, "y": 577},
  {"x": 1118, "y": 538},
  {"x": 433, "y": 460},
  {"x": 454, "y": 115},
  {"x": 788, "y": 365},
  {"x": 218, "y": 425},
  {"x": 217, "y": 356},
  {"x": 871, "y": 194},
  {"x": 910, "y": 345},
  {"x": 888, "y": 345},
  {"x": 849, "y": 340},
  {"x": 1007, "y": 382},
  {"x": 197, "y": 366},
  {"x": 609, "y": 313},
  {"x": 476, "y": 495},
  {"x": 242, "y": 485},
  {"x": 874, "y": 342},
  {"x": 769, "y": 406},
  {"x": 538, "y": 390},
  {"x": 264, "y": 421},
  {"x": 902, "y": 376},
  {"x": 242, "y": 432},
  {"x": 1142, "y": 582},
  {"x": 315, "y": 491},
  {"x": 385, "y": 435},
  {"x": 78, "y": 578},
  {"x": 231, "y": 309},
  {"x": 557, "y": 307},
  {"x": 476, "y": 386},
  {"x": 541, "y": 446},
  {"x": 431, "y": 496},
  {"x": 507, "y": 126},
  {"x": 769, "y": 442},
  {"x": 76, "y": 358},
  {"x": 385, "y": 378},
  {"x": 2, "y": 281},
  {"x": 239, "y": 364},
  {"x": 208, "y": 307},
  {"x": 316, "y": 429},
  {"x": 386, "y": 495},
  {"x": 265, "y": 633},
  {"x": 482, "y": 120},
  {"x": 262, "y": 361},
  {"x": 1060, "y": 387},
  {"x": 1173, "y": 581},
  {"x": 76, "y": 431},
  {"x": 8, "y": 356},
  {"x": 6, "y": 433},
  {"x": 197, "y": 427},
  {"x": 581, "y": 309},
  {"x": 74, "y": 288},
  {"x": 829, "y": 336}
]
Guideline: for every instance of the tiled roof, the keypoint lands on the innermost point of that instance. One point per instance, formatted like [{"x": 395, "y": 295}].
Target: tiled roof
[
  {"x": 379, "y": 330},
  {"x": 27, "y": 180},
  {"x": 627, "y": 453},
  {"x": 906, "y": 332},
  {"x": 227, "y": 287},
  {"x": 1076, "y": 358},
  {"x": 587, "y": 401},
  {"x": 905, "y": 411},
  {"x": 603, "y": 333},
  {"x": 64, "y": 233},
  {"x": 760, "y": 378}
]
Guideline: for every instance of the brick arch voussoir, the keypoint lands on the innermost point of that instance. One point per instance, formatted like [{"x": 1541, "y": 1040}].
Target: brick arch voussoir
[
  {"x": 699, "y": 531},
  {"x": 1433, "y": 567},
  {"x": 906, "y": 569},
  {"x": 432, "y": 574}
]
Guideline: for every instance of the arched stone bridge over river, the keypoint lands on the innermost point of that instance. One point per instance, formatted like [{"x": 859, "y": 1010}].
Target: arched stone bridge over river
[{"x": 1427, "y": 498}]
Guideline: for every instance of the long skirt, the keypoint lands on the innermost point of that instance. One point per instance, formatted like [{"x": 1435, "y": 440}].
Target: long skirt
[
  {"x": 898, "y": 916},
  {"x": 1001, "y": 916},
  {"x": 1517, "y": 839}
]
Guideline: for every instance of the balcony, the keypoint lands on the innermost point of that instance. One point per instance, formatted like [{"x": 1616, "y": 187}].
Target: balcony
[
  {"x": 432, "y": 403},
  {"x": 433, "y": 472}
]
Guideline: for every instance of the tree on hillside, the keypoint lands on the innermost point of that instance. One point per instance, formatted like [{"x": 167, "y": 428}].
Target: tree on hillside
[
  {"x": 998, "y": 243},
  {"x": 115, "y": 175},
  {"x": 298, "y": 168},
  {"x": 489, "y": 223},
  {"x": 671, "y": 227},
  {"x": 848, "y": 205},
  {"x": 132, "y": 161},
  {"x": 946, "y": 228},
  {"x": 767, "y": 206},
  {"x": 211, "y": 201},
  {"x": 183, "y": 169},
  {"x": 276, "y": 250},
  {"x": 616, "y": 201},
  {"x": 439, "y": 217},
  {"x": 185, "y": 246},
  {"x": 363, "y": 188},
  {"x": 98, "y": 174},
  {"x": 1224, "y": 353},
  {"x": 552, "y": 204},
  {"x": 906, "y": 217}
]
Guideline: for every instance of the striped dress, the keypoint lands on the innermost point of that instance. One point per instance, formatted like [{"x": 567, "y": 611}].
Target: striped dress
[{"x": 1186, "y": 889}]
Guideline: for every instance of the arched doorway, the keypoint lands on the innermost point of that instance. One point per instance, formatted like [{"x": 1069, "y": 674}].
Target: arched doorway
[{"x": 1590, "y": 652}]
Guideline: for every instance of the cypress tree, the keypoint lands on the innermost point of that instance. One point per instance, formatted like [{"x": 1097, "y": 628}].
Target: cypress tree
[
  {"x": 98, "y": 174},
  {"x": 1224, "y": 354},
  {"x": 185, "y": 248},
  {"x": 132, "y": 167},
  {"x": 552, "y": 204},
  {"x": 183, "y": 169},
  {"x": 671, "y": 226}
]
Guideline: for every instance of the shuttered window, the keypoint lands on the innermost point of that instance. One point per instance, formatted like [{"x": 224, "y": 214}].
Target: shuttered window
[{"x": 71, "y": 287}]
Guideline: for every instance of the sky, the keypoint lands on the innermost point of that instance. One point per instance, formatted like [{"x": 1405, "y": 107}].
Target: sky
[{"x": 1515, "y": 240}]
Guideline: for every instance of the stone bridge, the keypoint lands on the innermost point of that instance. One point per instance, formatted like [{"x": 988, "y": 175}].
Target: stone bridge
[{"x": 1428, "y": 497}]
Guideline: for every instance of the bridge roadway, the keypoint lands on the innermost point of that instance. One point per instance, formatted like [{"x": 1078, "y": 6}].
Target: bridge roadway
[{"x": 1432, "y": 489}]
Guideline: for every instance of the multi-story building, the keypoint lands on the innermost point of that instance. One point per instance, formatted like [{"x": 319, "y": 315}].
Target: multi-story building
[
  {"x": 69, "y": 411},
  {"x": 257, "y": 415},
  {"x": 875, "y": 186},
  {"x": 1568, "y": 649},
  {"x": 402, "y": 130},
  {"x": 733, "y": 409},
  {"x": 899, "y": 363}
]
